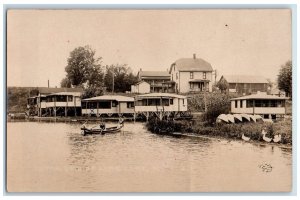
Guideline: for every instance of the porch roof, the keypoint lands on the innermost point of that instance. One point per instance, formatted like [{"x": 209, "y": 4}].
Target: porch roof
[
  {"x": 260, "y": 96},
  {"x": 199, "y": 81},
  {"x": 161, "y": 95},
  {"x": 110, "y": 98}
]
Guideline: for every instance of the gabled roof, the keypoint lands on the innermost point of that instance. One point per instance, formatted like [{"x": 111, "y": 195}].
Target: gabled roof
[
  {"x": 111, "y": 97},
  {"x": 46, "y": 90},
  {"x": 192, "y": 64},
  {"x": 162, "y": 95},
  {"x": 259, "y": 96},
  {"x": 154, "y": 73},
  {"x": 244, "y": 79}
]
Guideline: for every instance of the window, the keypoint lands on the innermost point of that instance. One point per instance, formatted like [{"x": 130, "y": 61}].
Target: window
[
  {"x": 204, "y": 75},
  {"x": 114, "y": 103},
  {"x": 61, "y": 98},
  {"x": 165, "y": 102},
  {"x": 241, "y": 103},
  {"x": 105, "y": 105},
  {"x": 70, "y": 98},
  {"x": 171, "y": 101},
  {"x": 191, "y": 86},
  {"x": 83, "y": 105},
  {"x": 130, "y": 104},
  {"x": 183, "y": 101},
  {"x": 249, "y": 103},
  {"x": 176, "y": 76},
  {"x": 235, "y": 103},
  {"x": 191, "y": 75},
  {"x": 92, "y": 105}
]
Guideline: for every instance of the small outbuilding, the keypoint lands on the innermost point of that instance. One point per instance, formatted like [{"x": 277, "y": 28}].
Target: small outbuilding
[{"x": 141, "y": 87}]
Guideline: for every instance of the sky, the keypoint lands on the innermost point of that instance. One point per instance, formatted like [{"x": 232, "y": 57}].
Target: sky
[{"x": 234, "y": 42}]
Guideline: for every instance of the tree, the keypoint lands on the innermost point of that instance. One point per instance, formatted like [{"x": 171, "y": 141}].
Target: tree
[
  {"x": 284, "y": 78},
  {"x": 119, "y": 78},
  {"x": 223, "y": 85},
  {"x": 83, "y": 66},
  {"x": 65, "y": 82}
]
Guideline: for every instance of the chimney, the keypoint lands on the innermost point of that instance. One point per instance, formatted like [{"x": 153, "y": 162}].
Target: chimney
[{"x": 194, "y": 56}]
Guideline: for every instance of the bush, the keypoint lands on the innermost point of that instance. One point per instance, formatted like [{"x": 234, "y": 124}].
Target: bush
[{"x": 217, "y": 103}]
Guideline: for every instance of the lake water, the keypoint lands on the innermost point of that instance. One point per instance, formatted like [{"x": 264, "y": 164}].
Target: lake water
[{"x": 55, "y": 157}]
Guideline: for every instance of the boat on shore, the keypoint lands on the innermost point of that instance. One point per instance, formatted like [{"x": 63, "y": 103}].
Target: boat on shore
[{"x": 102, "y": 129}]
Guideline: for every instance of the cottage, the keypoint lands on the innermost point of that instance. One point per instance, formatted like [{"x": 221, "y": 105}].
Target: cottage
[
  {"x": 63, "y": 104},
  {"x": 36, "y": 105},
  {"x": 108, "y": 105},
  {"x": 191, "y": 75},
  {"x": 245, "y": 84},
  {"x": 160, "y": 104},
  {"x": 268, "y": 106},
  {"x": 141, "y": 87},
  {"x": 156, "y": 79}
]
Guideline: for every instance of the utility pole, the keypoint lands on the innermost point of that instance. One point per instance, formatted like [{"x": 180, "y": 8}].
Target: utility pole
[{"x": 113, "y": 80}]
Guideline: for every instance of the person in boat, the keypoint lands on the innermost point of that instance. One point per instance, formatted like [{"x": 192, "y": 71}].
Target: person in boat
[{"x": 102, "y": 126}]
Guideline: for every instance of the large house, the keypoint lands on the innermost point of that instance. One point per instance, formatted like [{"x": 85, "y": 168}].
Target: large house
[
  {"x": 268, "y": 106},
  {"x": 191, "y": 75},
  {"x": 158, "y": 80},
  {"x": 245, "y": 84}
]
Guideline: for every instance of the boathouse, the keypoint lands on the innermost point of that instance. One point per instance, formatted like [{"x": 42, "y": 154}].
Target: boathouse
[
  {"x": 108, "y": 106},
  {"x": 268, "y": 106},
  {"x": 63, "y": 104},
  {"x": 160, "y": 105},
  {"x": 37, "y": 104}
]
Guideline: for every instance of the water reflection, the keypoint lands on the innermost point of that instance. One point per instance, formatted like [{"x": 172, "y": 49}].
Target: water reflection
[{"x": 136, "y": 160}]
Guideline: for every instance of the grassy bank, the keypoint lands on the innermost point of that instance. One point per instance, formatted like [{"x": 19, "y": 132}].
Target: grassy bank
[{"x": 232, "y": 131}]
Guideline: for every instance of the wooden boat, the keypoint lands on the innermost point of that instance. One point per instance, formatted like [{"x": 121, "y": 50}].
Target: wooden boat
[{"x": 102, "y": 129}]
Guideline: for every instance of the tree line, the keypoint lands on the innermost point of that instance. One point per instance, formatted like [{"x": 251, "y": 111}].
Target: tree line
[{"x": 86, "y": 70}]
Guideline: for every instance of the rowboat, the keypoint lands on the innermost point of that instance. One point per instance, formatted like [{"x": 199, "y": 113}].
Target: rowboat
[{"x": 102, "y": 129}]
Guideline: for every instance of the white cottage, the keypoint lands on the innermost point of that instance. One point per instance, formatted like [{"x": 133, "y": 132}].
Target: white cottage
[
  {"x": 160, "y": 104},
  {"x": 268, "y": 106},
  {"x": 108, "y": 105},
  {"x": 63, "y": 104}
]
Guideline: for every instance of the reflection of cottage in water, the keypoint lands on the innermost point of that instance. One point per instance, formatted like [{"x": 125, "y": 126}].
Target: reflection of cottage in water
[
  {"x": 108, "y": 105},
  {"x": 268, "y": 106}
]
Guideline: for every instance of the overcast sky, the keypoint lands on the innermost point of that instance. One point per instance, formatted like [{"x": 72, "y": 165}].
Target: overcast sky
[{"x": 253, "y": 42}]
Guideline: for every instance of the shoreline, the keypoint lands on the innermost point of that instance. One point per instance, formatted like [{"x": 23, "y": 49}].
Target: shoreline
[{"x": 175, "y": 134}]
